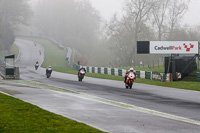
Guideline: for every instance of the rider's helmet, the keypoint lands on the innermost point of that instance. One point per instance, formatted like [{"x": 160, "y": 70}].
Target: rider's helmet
[
  {"x": 131, "y": 69},
  {"x": 49, "y": 66}
]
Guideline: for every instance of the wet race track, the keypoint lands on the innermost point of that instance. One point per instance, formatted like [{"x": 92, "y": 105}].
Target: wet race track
[{"x": 106, "y": 104}]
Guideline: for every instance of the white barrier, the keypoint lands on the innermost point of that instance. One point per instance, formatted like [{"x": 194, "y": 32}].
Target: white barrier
[
  {"x": 142, "y": 74},
  {"x": 90, "y": 69},
  {"x": 109, "y": 71},
  {"x": 95, "y": 69},
  {"x": 102, "y": 70},
  {"x": 116, "y": 71},
  {"x": 123, "y": 72}
]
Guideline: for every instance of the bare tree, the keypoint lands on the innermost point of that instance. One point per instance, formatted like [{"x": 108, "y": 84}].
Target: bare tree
[
  {"x": 177, "y": 9},
  {"x": 138, "y": 12},
  {"x": 159, "y": 11}
]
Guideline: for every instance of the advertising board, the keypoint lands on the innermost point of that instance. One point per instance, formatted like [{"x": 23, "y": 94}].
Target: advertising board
[{"x": 174, "y": 47}]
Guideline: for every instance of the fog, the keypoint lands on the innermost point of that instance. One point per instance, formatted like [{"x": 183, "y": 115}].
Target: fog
[{"x": 99, "y": 41}]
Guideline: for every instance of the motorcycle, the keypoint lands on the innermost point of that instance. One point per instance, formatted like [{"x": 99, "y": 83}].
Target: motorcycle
[
  {"x": 36, "y": 66},
  {"x": 81, "y": 75},
  {"x": 130, "y": 80},
  {"x": 48, "y": 73}
]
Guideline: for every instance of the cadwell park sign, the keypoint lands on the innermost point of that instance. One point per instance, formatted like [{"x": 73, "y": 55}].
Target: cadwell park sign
[
  {"x": 175, "y": 65},
  {"x": 168, "y": 47},
  {"x": 173, "y": 47}
]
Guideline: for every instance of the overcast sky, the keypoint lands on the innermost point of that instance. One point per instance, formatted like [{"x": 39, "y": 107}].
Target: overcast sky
[{"x": 108, "y": 7}]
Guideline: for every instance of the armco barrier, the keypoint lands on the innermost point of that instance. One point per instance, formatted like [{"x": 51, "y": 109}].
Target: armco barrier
[
  {"x": 102, "y": 70},
  {"x": 198, "y": 76},
  {"x": 99, "y": 69},
  {"x": 112, "y": 71},
  {"x": 116, "y": 72},
  {"x": 142, "y": 74},
  {"x": 90, "y": 69},
  {"x": 109, "y": 71},
  {"x": 121, "y": 72},
  {"x": 105, "y": 70},
  {"x": 148, "y": 75},
  {"x": 93, "y": 70},
  {"x": 138, "y": 74}
]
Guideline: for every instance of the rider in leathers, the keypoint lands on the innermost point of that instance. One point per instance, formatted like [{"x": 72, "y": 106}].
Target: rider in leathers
[{"x": 127, "y": 72}]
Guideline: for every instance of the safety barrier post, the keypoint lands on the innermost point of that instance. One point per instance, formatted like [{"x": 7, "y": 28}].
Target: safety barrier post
[
  {"x": 142, "y": 74},
  {"x": 99, "y": 69},
  {"x": 123, "y": 72},
  {"x": 93, "y": 70},
  {"x": 148, "y": 75},
  {"x": 105, "y": 70},
  {"x": 102, "y": 70},
  {"x": 120, "y": 72},
  {"x": 116, "y": 71},
  {"x": 138, "y": 74},
  {"x": 198, "y": 76},
  {"x": 90, "y": 69},
  {"x": 112, "y": 71},
  {"x": 164, "y": 77},
  {"x": 109, "y": 71}
]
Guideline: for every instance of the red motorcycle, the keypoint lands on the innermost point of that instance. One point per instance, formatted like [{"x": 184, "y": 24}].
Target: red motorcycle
[
  {"x": 81, "y": 75},
  {"x": 130, "y": 80}
]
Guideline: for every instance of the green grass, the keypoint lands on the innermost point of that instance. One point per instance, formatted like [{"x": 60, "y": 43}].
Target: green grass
[{"x": 18, "y": 116}]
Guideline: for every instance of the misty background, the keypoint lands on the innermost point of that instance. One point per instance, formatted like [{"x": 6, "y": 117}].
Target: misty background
[{"x": 99, "y": 41}]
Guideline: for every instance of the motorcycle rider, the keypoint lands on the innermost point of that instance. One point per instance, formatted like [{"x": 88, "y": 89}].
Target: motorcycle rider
[
  {"x": 36, "y": 65},
  {"x": 127, "y": 73},
  {"x": 49, "y": 70},
  {"x": 81, "y": 69}
]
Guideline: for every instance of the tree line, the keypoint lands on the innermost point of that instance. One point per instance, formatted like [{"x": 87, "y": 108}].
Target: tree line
[
  {"x": 145, "y": 20},
  {"x": 12, "y": 14},
  {"x": 77, "y": 24}
]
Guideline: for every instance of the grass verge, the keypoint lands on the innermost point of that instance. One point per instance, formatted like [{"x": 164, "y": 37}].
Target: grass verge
[{"x": 19, "y": 116}]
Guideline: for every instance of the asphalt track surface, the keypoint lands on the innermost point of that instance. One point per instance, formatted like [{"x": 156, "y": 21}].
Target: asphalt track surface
[{"x": 106, "y": 104}]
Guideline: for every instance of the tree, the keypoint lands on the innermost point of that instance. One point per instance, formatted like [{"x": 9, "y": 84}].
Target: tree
[
  {"x": 177, "y": 9},
  {"x": 12, "y": 14},
  {"x": 137, "y": 13},
  {"x": 159, "y": 11},
  {"x": 73, "y": 23}
]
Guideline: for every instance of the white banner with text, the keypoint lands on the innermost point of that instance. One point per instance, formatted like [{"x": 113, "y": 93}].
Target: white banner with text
[{"x": 174, "y": 47}]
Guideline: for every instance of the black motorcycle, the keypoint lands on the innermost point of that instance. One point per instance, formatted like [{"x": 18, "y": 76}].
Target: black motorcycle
[
  {"x": 48, "y": 73},
  {"x": 36, "y": 66}
]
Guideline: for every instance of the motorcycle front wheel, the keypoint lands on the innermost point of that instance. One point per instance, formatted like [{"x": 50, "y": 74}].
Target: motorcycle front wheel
[
  {"x": 79, "y": 79},
  {"x": 130, "y": 86},
  {"x": 126, "y": 86}
]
